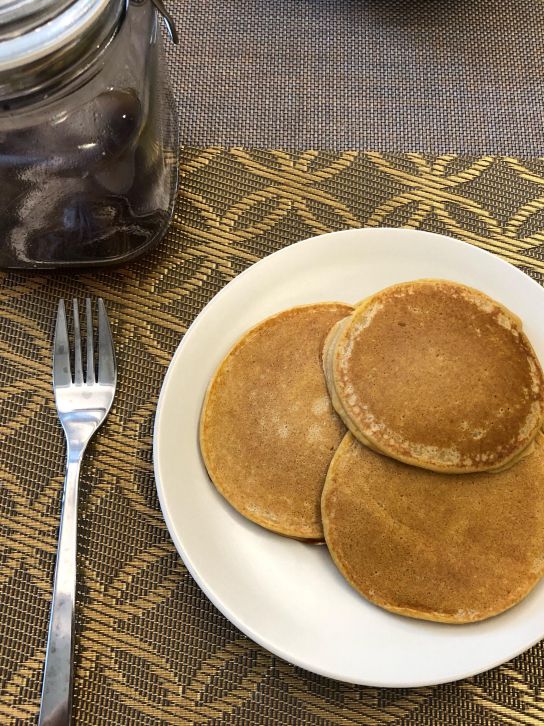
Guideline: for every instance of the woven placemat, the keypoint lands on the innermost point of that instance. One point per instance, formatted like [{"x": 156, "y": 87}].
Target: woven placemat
[
  {"x": 151, "y": 649},
  {"x": 393, "y": 75}
]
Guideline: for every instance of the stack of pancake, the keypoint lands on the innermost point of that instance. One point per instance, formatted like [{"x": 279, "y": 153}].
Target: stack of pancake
[{"x": 405, "y": 432}]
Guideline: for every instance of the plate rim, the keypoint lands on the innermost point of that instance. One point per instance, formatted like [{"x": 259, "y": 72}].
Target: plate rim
[{"x": 200, "y": 580}]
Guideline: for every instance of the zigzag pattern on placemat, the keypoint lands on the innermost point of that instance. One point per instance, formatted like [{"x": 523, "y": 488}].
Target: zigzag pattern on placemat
[{"x": 151, "y": 648}]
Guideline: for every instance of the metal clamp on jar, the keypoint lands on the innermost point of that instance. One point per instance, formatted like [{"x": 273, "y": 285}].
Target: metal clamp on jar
[{"x": 88, "y": 132}]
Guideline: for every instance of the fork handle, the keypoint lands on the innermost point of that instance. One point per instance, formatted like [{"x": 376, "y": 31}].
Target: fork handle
[{"x": 56, "y": 705}]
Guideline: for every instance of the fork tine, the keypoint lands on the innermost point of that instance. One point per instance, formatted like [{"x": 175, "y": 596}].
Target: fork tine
[
  {"x": 62, "y": 375},
  {"x": 78, "y": 366},
  {"x": 90, "y": 343},
  {"x": 106, "y": 355}
]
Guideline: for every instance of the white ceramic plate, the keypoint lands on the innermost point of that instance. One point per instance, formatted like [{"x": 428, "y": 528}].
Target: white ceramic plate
[{"x": 285, "y": 595}]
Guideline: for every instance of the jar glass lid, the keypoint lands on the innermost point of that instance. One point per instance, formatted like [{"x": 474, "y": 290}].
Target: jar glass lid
[
  {"x": 20, "y": 16},
  {"x": 42, "y": 40}
]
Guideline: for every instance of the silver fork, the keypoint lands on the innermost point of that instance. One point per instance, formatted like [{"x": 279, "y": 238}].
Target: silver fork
[{"x": 82, "y": 404}]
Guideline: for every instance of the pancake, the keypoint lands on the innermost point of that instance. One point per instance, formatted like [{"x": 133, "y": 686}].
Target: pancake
[
  {"x": 268, "y": 430},
  {"x": 328, "y": 357},
  {"x": 449, "y": 548},
  {"x": 438, "y": 375}
]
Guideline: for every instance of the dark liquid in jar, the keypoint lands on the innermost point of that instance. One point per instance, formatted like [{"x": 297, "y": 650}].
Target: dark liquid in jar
[{"x": 92, "y": 185}]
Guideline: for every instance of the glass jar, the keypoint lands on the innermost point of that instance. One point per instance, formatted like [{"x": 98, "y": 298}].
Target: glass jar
[{"x": 88, "y": 132}]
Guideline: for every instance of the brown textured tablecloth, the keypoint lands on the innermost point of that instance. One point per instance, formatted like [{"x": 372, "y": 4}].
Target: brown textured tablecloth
[
  {"x": 151, "y": 649},
  {"x": 462, "y": 76}
]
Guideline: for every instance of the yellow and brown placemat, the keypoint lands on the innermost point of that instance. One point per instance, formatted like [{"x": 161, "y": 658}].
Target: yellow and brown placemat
[{"x": 151, "y": 649}]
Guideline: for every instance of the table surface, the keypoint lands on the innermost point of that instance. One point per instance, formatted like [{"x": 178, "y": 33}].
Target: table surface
[
  {"x": 151, "y": 649},
  {"x": 412, "y": 75}
]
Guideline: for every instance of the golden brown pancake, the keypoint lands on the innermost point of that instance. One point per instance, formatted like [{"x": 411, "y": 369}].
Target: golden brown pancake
[
  {"x": 449, "y": 548},
  {"x": 437, "y": 375},
  {"x": 268, "y": 430}
]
